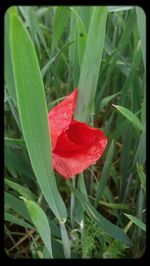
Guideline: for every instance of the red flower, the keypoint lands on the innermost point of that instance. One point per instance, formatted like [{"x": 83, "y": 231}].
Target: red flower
[{"x": 75, "y": 145}]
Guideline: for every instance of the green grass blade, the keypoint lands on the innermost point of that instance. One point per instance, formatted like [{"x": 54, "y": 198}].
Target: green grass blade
[
  {"x": 16, "y": 205},
  {"x": 73, "y": 52},
  {"x": 66, "y": 241},
  {"x": 140, "y": 154},
  {"x": 136, "y": 221},
  {"x": 40, "y": 221},
  {"x": 107, "y": 99},
  {"x": 130, "y": 116},
  {"x": 59, "y": 22},
  {"x": 81, "y": 33},
  {"x": 141, "y": 175},
  {"x": 33, "y": 114},
  {"x": 105, "y": 174},
  {"x": 15, "y": 162},
  {"x": 143, "y": 110},
  {"x": 129, "y": 25},
  {"x": 91, "y": 63},
  {"x": 81, "y": 40},
  {"x": 109, "y": 228},
  {"x": 114, "y": 205},
  {"x": 9, "y": 76},
  {"x": 13, "y": 219},
  {"x": 141, "y": 17},
  {"x": 20, "y": 189},
  {"x": 131, "y": 75},
  {"x": 125, "y": 160},
  {"x": 119, "y": 8},
  {"x": 52, "y": 60},
  {"x": 36, "y": 26}
]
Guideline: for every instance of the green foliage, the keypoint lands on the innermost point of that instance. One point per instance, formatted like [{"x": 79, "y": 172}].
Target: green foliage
[
  {"x": 49, "y": 51},
  {"x": 89, "y": 76},
  {"x": 40, "y": 221},
  {"x": 32, "y": 105},
  {"x": 115, "y": 251},
  {"x": 90, "y": 239},
  {"x": 130, "y": 116},
  {"x": 136, "y": 221}
]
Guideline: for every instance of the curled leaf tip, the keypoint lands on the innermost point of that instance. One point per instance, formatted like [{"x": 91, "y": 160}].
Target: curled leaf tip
[{"x": 116, "y": 106}]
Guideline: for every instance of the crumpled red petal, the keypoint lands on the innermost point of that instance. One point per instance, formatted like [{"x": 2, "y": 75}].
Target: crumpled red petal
[
  {"x": 61, "y": 115},
  {"x": 78, "y": 147},
  {"x": 75, "y": 145}
]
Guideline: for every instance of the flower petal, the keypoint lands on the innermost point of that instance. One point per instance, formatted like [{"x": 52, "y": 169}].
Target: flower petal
[
  {"x": 77, "y": 148},
  {"x": 61, "y": 115}
]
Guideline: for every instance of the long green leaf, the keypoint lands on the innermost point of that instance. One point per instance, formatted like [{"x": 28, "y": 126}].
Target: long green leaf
[
  {"x": 107, "y": 99},
  {"x": 9, "y": 76},
  {"x": 141, "y": 175},
  {"x": 73, "y": 52},
  {"x": 91, "y": 64},
  {"x": 128, "y": 30},
  {"x": 141, "y": 17},
  {"x": 52, "y": 60},
  {"x": 105, "y": 174},
  {"x": 130, "y": 116},
  {"x": 136, "y": 221},
  {"x": 59, "y": 22},
  {"x": 109, "y": 228},
  {"x": 33, "y": 113},
  {"x": 66, "y": 241},
  {"x": 125, "y": 161},
  {"x": 119, "y": 8},
  {"x": 13, "y": 219},
  {"x": 40, "y": 221},
  {"x": 16, "y": 205},
  {"x": 115, "y": 205},
  {"x": 20, "y": 189}
]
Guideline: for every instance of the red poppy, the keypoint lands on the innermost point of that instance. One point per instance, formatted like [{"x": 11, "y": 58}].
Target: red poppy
[{"x": 75, "y": 145}]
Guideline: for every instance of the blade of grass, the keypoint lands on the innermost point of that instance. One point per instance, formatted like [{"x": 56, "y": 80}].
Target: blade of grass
[
  {"x": 81, "y": 35},
  {"x": 114, "y": 205},
  {"x": 91, "y": 64},
  {"x": 33, "y": 114},
  {"x": 129, "y": 24},
  {"x": 119, "y": 8},
  {"x": 81, "y": 40},
  {"x": 140, "y": 154},
  {"x": 52, "y": 60},
  {"x": 125, "y": 160},
  {"x": 105, "y": 174},
  {"x": 66, "y": 241},
  {"x": 141, "y": 17},
  {"x": 17, "y": 205},
  {"x": 57, "y": 250},
  {"x": 20, "y": 189},
  {"x": 131, "y": 75},
  {"x": 13, "y": 108},
  {"x": 141, "y": 175},
  {"x": 109, "y": 228},
  {"x": 17, "y": 163},
  {"x": 9, "y": 76},
  {"x": 13, "y": 219},
  {"x": 73, "y": 52},
  {"x": 59, "y": 22},
  {"x": 40, "y": 221},
  {"x": 34, "y": 23},
  {"x": 136, "y": 221},
  {"x": 107, "y": 99},
  {"x": 130, "y": 116}
]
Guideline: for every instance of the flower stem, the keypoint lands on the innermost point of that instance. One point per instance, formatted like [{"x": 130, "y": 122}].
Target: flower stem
[{"x": 72, "y": 203}]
